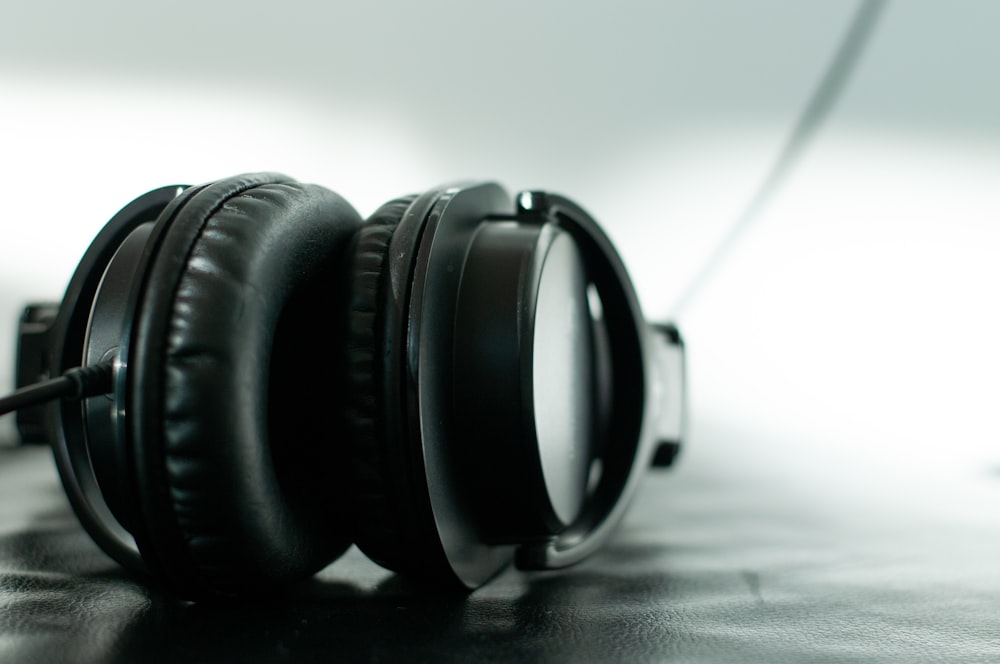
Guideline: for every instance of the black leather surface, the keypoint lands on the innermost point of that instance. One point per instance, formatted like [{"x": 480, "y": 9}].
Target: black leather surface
[{"x": 732, "y": 557}]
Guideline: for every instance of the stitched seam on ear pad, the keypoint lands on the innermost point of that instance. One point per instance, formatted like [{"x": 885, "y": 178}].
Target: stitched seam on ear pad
[
  {"x": 380, "y": 531},
  {"x": 228, "y": 525}
]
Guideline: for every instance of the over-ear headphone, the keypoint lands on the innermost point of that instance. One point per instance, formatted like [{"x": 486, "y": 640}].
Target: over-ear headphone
[{"x": 462, "y": 381}]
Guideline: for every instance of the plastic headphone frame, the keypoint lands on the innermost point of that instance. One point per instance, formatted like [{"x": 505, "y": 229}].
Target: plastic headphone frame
[
  {"x": 65, "y": 420},
  {"x": 426, "y": 254},
  {"x": 632, "y": 436}
]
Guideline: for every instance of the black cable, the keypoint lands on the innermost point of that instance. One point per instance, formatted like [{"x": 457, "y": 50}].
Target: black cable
[
  {"x": 822, "y": 101},
  {"x": 77, "y": 383}
]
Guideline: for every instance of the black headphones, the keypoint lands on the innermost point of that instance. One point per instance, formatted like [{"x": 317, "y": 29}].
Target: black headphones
[{"x": 455, "y": 384}]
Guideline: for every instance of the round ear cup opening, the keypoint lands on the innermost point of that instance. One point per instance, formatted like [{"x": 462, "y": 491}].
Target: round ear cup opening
[{"x": 305, "y": 390}]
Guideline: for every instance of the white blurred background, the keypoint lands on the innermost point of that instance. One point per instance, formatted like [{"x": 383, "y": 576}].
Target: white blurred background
[{"x": 851, "y": 329}]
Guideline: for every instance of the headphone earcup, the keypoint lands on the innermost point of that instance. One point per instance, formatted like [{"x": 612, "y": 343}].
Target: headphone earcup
[
  {"x": 235, "y": 376},
  {"x": 379, "y": 457}
]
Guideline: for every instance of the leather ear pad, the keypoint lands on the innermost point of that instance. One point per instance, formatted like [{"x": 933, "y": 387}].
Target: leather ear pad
[
  {"x": 234, "y": 402},
  {"x": 381, "y": 481}
]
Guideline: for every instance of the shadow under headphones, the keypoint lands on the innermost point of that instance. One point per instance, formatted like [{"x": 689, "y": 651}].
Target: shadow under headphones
[{"x": 460, "y": 382}]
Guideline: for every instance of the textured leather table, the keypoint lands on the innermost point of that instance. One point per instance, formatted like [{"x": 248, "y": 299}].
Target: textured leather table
[{"x": 728, "y": 558}]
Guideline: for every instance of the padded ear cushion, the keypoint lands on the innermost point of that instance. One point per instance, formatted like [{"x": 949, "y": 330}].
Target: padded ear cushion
[
  {"x": 235, "y": 387},
  {"x": 381, "y": 481}
]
